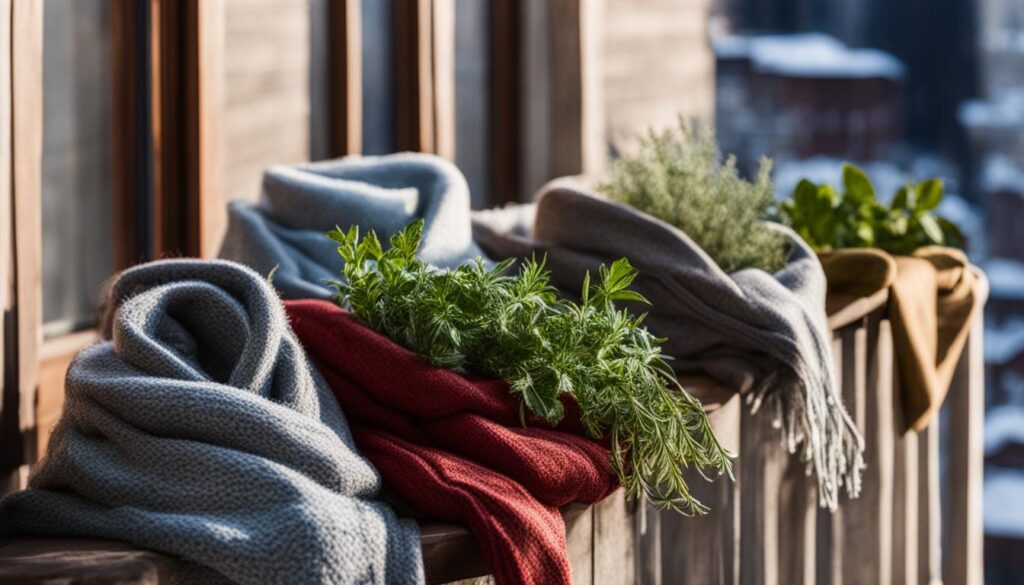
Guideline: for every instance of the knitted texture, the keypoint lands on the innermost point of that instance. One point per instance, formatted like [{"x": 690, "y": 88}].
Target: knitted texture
[
  {"x": 764, "y": 334},
  {"x": 285, "y": 231},
  {"x": 452, "y": 446},
  {"x": 200, "y": 430}
]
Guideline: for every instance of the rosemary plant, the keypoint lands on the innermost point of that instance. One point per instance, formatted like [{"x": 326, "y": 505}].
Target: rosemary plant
[{"x": 514, "y": 327}]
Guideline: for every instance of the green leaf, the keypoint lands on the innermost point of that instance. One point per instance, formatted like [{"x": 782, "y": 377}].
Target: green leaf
[
  {"x": 866, "y": 234},
  {"x": 901, "y": 200},
  {"x": 929, "y": 194},
  {"x": 805, "y": 196},
  {"x": 950, "y": 232},
  {"x": 931, "y": 228},
  {"x": 858, "y": 187}
]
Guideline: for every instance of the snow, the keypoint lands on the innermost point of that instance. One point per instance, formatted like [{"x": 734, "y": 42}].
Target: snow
[
  {"x": 1004, "y": 342},
  {"x": 732, "y": 46},
  {"x": 887, "y": 177},
  {"x": 1003, "y": 425},
  {"x": 1002, "y": 111},
  {"x": 1000, "y": 173},
  {"x": 809, "y": 55},
  {"x": 1005, "y": 278},
  {"x": 1003, "y": 508}
]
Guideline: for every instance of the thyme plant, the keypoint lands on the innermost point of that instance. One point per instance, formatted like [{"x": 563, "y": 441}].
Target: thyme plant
[
  {"x": 514, "y": 327},
  {"x": 678, "y": 177}
]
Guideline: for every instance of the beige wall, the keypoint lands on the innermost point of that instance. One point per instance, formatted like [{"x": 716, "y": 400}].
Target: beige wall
[
  {"x": 266, "y": 90},
  {"x": 657, "y": 64}
]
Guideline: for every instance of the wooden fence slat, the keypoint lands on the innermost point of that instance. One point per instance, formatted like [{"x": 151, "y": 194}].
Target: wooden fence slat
[
  {"x": 614, "y": 545},
  {"x": 905, "y": 507},
  {"x": 965, "y": 457},
  {"x": 579, "y": 540},
  {"x": 705, "y": 549},
  {"x": 929, "y": 559},
  {"x": 860, "y": 548},
  {"x": 761, "y": 464},
  {"x": 797, "y": 523}
]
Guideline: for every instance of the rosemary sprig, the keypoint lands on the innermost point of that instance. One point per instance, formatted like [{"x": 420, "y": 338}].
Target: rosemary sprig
[{"x": 515, "y": 327}]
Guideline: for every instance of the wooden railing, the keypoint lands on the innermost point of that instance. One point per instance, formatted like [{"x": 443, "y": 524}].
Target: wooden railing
[{"x": 916, "y": 522}]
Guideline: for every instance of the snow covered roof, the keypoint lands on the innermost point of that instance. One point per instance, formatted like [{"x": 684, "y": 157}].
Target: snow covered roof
[
  {"x": 1005, "y": 278},
  {"x": 1003, "y": 509},
  {"x": 808, "y": 55}
]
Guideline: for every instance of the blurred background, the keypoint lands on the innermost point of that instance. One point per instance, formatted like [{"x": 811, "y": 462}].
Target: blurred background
[{"x": 153, "y": 113}]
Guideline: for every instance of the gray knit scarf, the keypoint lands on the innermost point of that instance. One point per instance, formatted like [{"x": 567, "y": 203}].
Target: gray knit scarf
[
  {"x": 201, "y": 431},
  {"x": 764, "y": 334},
  {"x": 383, "y": 193}
]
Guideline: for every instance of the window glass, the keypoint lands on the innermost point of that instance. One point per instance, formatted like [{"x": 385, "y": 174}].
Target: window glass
[
  {"x": 77, "y": 246},
  {"x": 378, "y": 76},
  {"x": 472, "y": 95}
]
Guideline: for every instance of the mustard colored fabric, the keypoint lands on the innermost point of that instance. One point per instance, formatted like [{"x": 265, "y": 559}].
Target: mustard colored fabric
[{"x": 932, "y": 305}]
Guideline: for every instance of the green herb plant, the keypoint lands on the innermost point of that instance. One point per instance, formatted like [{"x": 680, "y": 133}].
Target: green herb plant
[
  {"x": 514, "y": 327},
  {"x": 855, "y": 218},
  {"x": 678, "y": 177}
]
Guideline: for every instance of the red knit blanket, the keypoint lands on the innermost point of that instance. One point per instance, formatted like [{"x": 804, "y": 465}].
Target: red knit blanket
[{"x": 452, "y": 447}]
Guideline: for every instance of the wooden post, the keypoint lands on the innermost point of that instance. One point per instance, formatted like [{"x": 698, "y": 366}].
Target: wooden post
[
  {"x": 577, "y": 116},
  {"x": 966, "y": 459},
  {"x": 27, "y": 153},
  {"x": 132, "y": 142},
  {"x": 345, "y": 77},
  {"x": 10, "y": 448},
  {"x": 414, "y": 96},
  {"x": 188, "y": 76},
  {"x": 505, "y": 99}
]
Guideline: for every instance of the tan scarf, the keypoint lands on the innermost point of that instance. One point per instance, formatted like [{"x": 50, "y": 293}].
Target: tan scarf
[{"x": 932, "y": 304}]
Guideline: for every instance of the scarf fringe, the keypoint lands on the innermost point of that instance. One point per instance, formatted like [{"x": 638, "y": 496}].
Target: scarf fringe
[{"x": 814, "y": 424}]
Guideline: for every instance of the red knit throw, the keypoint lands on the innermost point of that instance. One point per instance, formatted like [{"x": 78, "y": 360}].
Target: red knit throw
[{"x": 451, "y": 445}]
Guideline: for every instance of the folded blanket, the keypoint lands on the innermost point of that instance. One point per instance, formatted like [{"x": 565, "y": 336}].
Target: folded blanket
[
  {"x": 300, "y": 203},
  {"x": 453, "y": 447},
  {"x": 202, "y": 431},
  {"x": 764, "y": 334},
  {"x": 933, "y": 301}
]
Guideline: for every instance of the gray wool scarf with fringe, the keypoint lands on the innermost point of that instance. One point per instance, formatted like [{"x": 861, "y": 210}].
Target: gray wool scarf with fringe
[
  {"x": 201, "y": 430},
  {"x": 764, "y": 334}
]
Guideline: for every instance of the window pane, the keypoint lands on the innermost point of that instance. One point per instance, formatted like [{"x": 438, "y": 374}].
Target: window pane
[
  {"x": 472, "y": 95},
  {"x": 78, "y": 250},
  {"x": 378, "y": 77}
]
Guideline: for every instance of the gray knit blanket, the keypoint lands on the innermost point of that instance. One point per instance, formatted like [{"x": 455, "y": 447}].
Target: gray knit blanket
[
  {"x": 201, "y": 430},
  {"x": 285, "y": 230},
  {"x": 764, "y": 334}
]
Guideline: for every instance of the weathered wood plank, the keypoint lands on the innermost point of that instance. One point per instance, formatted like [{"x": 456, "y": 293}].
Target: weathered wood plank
[
  {"x": 345, "y": 76},
  {"x": 705, "y": 549},
  {"x": 965, "y": 457},
  {"x": 905, "y": 505},
  {"x": 761, "y": 464},
  {"x": 614, "y": 540},
  {"x": 95, "y": 562},
  {"x": 861, "y": 529},
  {"x": 929, "y": 515},
  {"x": 27, "y": 150}
]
